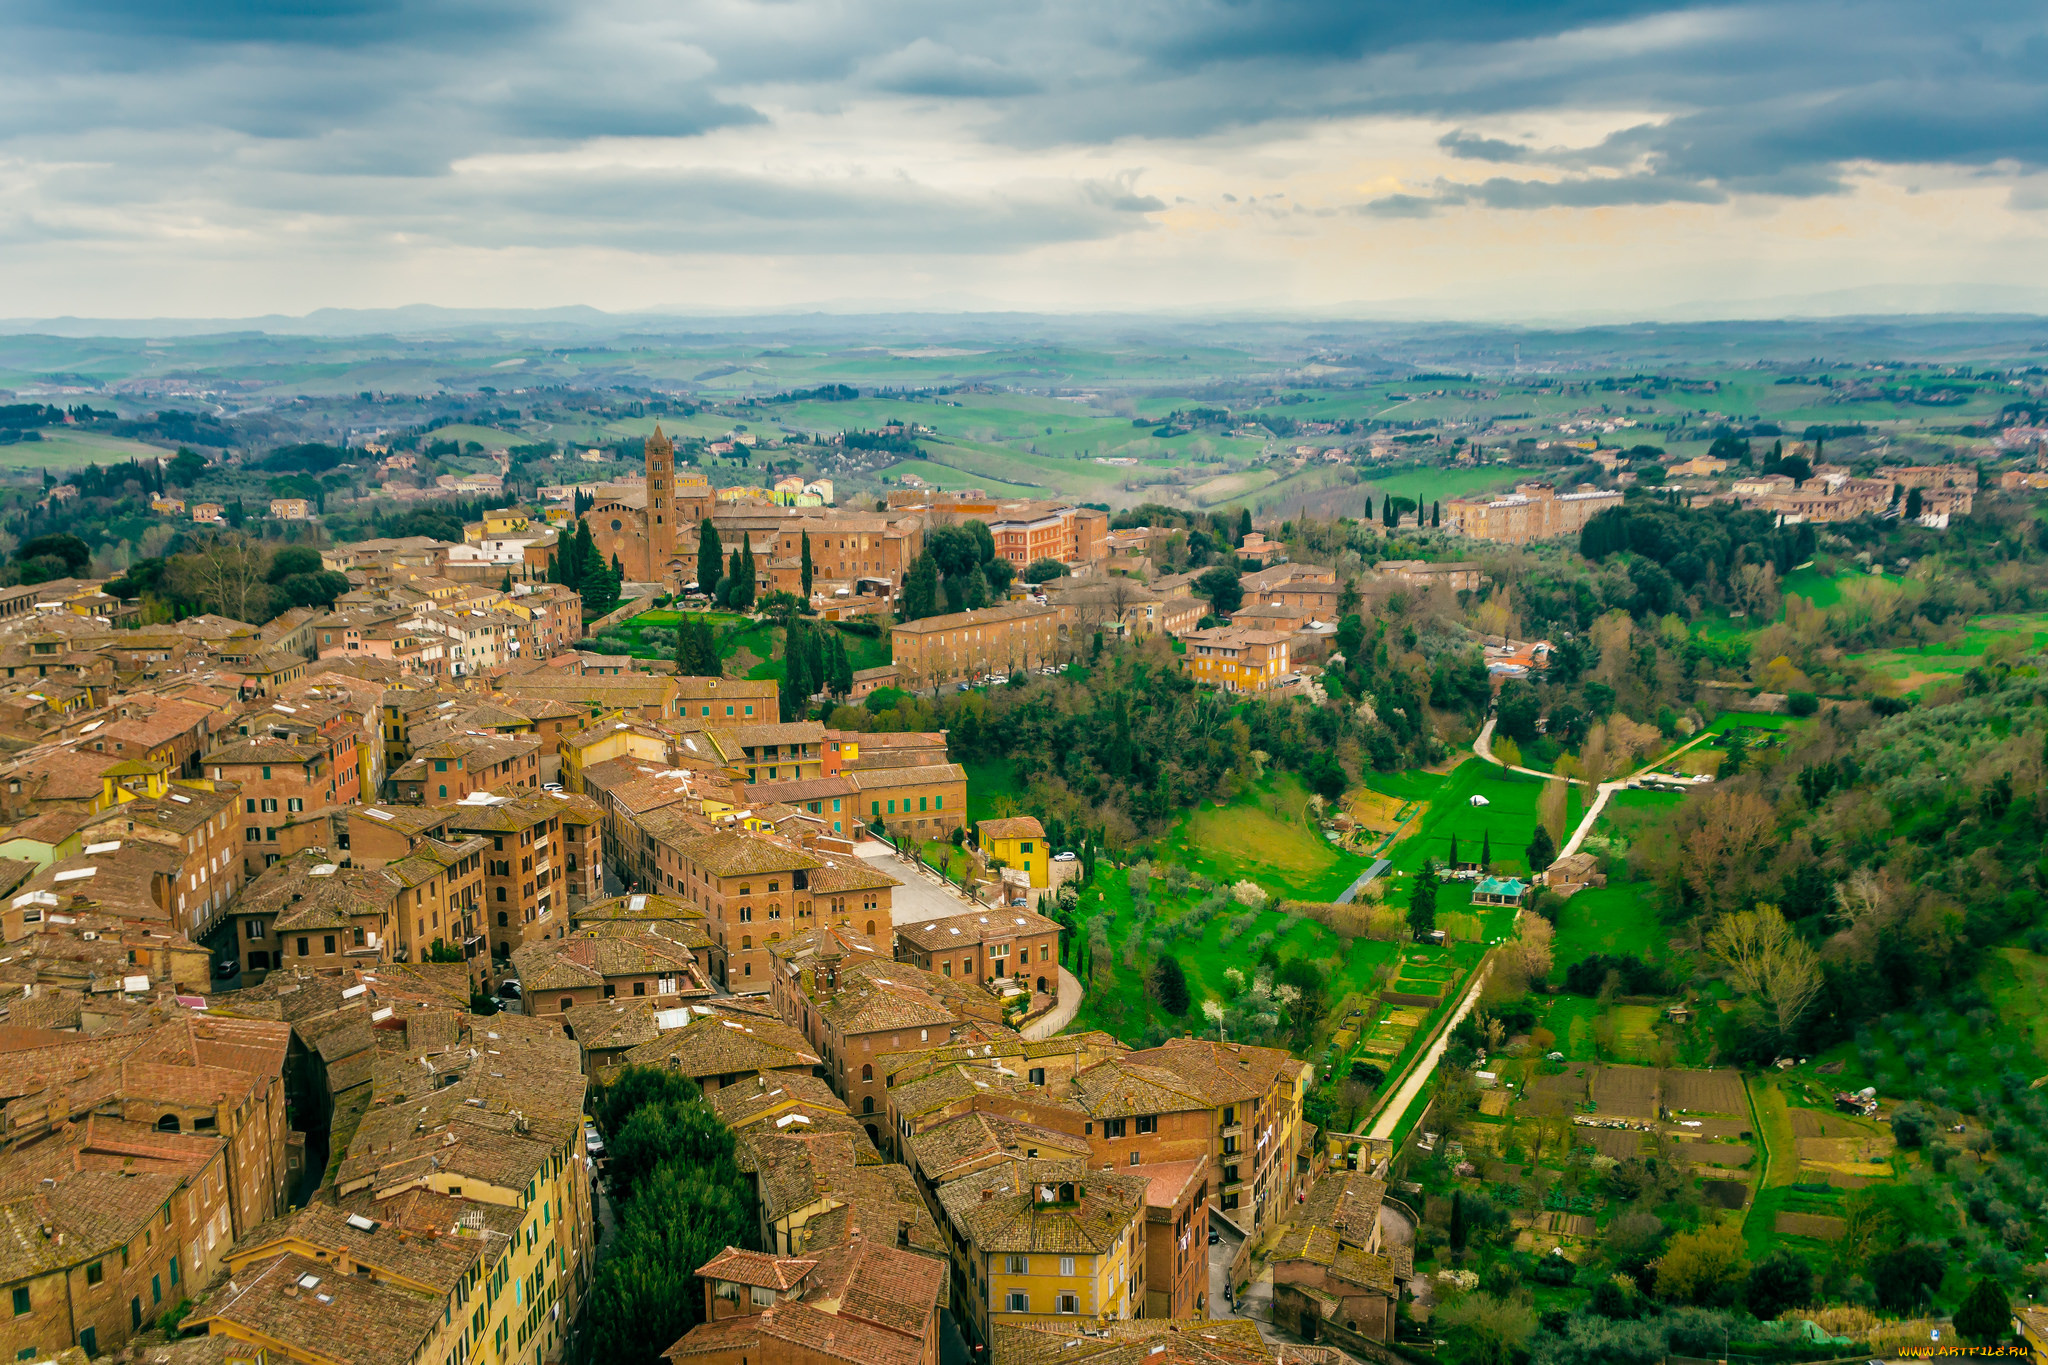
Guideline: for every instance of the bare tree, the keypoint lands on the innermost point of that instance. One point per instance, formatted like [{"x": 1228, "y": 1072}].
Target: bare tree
[
  {"x": 225, "y": 571},
  {"x": 1765, "y": 957}
]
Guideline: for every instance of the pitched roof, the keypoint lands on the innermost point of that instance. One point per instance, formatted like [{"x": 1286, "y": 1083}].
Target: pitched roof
[
  {"x": 1013, "y": 827},
  {"x": 1001, "y": 1210}
]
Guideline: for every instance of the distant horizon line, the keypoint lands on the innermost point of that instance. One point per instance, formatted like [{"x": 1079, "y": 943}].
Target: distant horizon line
[{"x": 423, "y": 316}]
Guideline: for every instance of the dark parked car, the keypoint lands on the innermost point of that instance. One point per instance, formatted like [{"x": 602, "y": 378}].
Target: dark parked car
[{"x": 1214, "y": 1237}]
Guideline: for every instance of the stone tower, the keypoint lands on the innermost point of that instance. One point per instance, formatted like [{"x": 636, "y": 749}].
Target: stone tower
[{"x": 661, "y": 510}]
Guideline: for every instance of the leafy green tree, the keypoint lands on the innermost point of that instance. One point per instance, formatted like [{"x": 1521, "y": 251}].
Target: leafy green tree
[
  {"x": 1703, "y": 1265},
  {"x": 1480, "y": 1329},
  {"x": 1044, "y": 571},
  {"x": 1779, "y": 1281},
  {"x": 1422, "y": 900},
  {"x": 1903, "y": 1276},
  {"x": 1985, "y": 1316},
  {"x": 1222, "y": 587},
  {"x": 1517, "y": 711},
  {"x": 998, "y": 572},
  {"x": 1914, "y": 504},
  {"x": 185, "y": 467}
]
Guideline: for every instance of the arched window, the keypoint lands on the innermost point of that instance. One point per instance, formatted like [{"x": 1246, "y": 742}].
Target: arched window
[
  {"x": 871, "y": 928},
  {"x": 746, "y": 940},
  {"x": 501, "y": 919},
  {"x": 567, "y": 1002},
  {"x": 867, "y": 1073},
  {"x": 746, "y": 889},
  {"x": 775, "y": 886},
  {"x": 867, "y": 1104},
  {"x": 167, "y": 1124}
]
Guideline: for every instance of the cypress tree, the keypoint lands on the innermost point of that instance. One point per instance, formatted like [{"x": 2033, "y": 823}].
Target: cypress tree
[
  {"x": 747, "y": 568},
  {"x": 806, "y": 563},
  {"x": 1436, "y": 514},
  {"x": 1368, "y": 507},
  {"x": 921, "y": 589},
  {"x": 842, "y": 667},
  {"x": 1454, "y": 850},
  {"x": 1422, "y": 901},
  {"x": 1171, "y": 984},
  {"x": 1244, "y": 527},
  {"x": 1542, "y": 850},
  {"x": 707, "y": 555},
  {"x": 1486, "y": 852}
]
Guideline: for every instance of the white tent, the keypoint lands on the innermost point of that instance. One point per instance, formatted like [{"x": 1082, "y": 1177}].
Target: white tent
[{"x": 1481, "y": 801}]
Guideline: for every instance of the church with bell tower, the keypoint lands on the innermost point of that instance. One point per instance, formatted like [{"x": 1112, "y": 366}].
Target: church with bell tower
[{"x": 644, "y": 525}]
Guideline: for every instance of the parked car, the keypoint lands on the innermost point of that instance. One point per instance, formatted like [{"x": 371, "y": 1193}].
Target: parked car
[
  {"x": 227, "y": 967},
  {"x": 1214, "y": 1237},
  {"x": 1066, "y": 857},
  {"x": 508, "y": 990}
]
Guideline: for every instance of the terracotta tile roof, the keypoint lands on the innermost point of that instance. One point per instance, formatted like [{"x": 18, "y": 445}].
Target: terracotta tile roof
[
  {"x": 346, "y": 1318},
  {"x": 1014, "y": 827},
  {"x": 607, "y": 1025},
  {"x": 824, "y": 1171},
  {"x": 744, "y": 1102},
  {"x": 974, "y": 928},
  {"x": 998, "y": 1210},
  {"x": 888, "y": 779},
  {"x": 1151, "y": 1341},
  {"x": 1223, "y": 1073},
  {"x": 755, "y": 1268},
  {"x": 974, "y": 1140},
  {"x": 588, "y": 958},
  {"x": 718, "y": 1042},
  {"x": 785, "y": 1326},
  {"x": 637, "y": 907},
  {"x": 886, "y": 1285}
]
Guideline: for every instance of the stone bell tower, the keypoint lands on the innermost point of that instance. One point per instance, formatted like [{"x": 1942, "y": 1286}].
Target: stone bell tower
[{"x": 661, "y": 509}]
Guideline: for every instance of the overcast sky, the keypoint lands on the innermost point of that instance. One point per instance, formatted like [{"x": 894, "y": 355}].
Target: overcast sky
[{"x": 177, "y": 158}]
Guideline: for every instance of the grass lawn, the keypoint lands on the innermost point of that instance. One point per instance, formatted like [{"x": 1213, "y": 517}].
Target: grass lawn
[
  {"x": 60, "y": 449},
  {"x": 1265, "y": 836},
  {"x": 490, "y": 438},
  {"x": 1507, "y": 820},
  {"x": 1620, "y": 917},
  {"x": 1118, "y": 1000},
  {"x": 1428, "y": 485}
]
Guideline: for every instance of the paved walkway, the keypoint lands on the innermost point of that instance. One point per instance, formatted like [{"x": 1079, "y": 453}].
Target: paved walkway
[
  {"x": 1061, "y": 1014},
  {"x": 1365, "y": 879},
  {"x": 1425, "y": 1066}
]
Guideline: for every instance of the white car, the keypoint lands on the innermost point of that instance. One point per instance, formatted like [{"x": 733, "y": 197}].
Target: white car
[{"x": 1063, "y": 857}]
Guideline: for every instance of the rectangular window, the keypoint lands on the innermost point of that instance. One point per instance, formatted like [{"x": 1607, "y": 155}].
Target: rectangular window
[
  {"x": 328, "y": 940},
  {"x": 1112, "y": 1128},
  {"x": 21, "y": 1304},
  {"x": 1148, "y": 1123},
  {"x": 1017, "y": 1265},
  {"x": 96, "y": 1272},
  {"x": 1066, "y": 1265},
  {"x": 921, "y": 803},
  {"x": 892, "y": 808},
  {"x": 1070, "y": 1303},
  {"x": 1019, "y": 1301},
  {"x": 174, "y": 1272}
]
